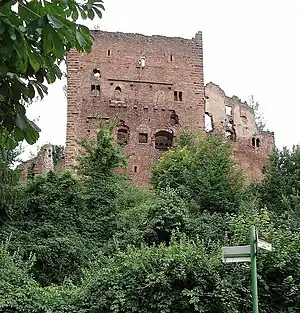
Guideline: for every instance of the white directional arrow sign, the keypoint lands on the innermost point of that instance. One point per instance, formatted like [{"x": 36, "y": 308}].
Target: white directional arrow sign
[{"x": 264, "y": 245}]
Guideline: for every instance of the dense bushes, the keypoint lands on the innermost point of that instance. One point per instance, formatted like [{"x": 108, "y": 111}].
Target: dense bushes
[{"x": 96, "y": 243}]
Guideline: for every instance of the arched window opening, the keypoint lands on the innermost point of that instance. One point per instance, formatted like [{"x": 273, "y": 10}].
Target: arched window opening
[
  {"x": 163, "y": 140},
  {"x": 117, "y": 94},
  {"x": 96, "y": 73},
  {"x": 253, "y": 141},
  {"x": 174, "y": 119},
  {"x": 257, "y": 142},
  {"x": 123, "y": 135}
]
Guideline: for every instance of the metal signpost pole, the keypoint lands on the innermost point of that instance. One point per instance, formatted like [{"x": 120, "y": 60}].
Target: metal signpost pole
[
  {"x": 248, "y": 253},
  {"x": 253, "y": 249}
]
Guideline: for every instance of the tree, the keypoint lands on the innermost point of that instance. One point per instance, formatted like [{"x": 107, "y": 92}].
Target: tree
[
  {"x": 57, "y": 153},
  {"x": 201, "y": 169},
  {"x": 34, "y": 39},
  {"x": 259, "y": 118}
]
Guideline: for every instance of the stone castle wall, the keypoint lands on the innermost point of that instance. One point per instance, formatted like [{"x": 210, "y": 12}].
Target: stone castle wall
[{"x": 150, "y": 85}]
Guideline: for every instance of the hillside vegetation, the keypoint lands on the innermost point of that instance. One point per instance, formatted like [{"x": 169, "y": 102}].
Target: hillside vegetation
[{"x": 95, "y": 243}]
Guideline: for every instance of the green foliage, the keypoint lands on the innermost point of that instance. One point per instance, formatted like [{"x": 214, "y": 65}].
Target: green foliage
[
  {"x": 8, "y": 181},
  {"x": 34, "y": 39},
  {"x": 19, "y": 293},
  {"x": 280, "y": 187},
  {"x": 57, "y": 153},
  {"x": 101, "y": 156},
  {"x": 178, "y": 278},
  {"x": 259, "y": 118},
  {"x": 96, "y": 243},
  {"x": 166, "y": 214},
  {"x": 48, "y": 221},
  {"x": 202, "y": 170}
]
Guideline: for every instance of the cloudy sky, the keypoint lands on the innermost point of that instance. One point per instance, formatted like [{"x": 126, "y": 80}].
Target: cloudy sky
[{"x": 250, "y": 47}]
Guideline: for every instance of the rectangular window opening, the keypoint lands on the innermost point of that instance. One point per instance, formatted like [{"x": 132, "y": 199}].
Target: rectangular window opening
[
  {"x": 108, "y": 53},
  {"x": 143, "y": 138},
  {"x": 175, "y": 96},
  {"x": 180, "y": 95},
  {"x": 171, "y": 57}
]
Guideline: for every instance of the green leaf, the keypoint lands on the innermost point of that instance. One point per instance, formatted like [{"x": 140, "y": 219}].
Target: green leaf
[
  {"x": 31, "y": 92},
  {"x": 2, "y": 27},
  {"x": 80, "y": 39},
  {"x": 56, "y": 23},
  {"x": 31, "y": 134},
  {"x": 18, "y": 134},
  {"x": 3, "y": 69},
  {"x": 98, "y": 12},
  {"x": 21, "y": 122},
  {"x": 33, "y": 60},
  {"x": 75, "y": 14},
  {"x": 82, "y": 13},
  {"x": 91, "y": 14}
]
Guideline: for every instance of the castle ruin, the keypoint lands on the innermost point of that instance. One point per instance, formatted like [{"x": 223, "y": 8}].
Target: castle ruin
[{"x": 153, "y": 87}]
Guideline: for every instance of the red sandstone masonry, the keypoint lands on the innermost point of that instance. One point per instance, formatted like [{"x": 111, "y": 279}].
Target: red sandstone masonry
[
  {"x": 147, "y": 94},
  {"x": 146, "y": 101}
]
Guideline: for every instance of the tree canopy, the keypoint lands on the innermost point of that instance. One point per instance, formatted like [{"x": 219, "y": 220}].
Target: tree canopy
[{"x": 34, "y": 39}]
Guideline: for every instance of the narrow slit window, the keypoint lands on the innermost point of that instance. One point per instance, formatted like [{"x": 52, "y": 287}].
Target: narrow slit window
[
  {"x": 180, "y": 95},
  {"x": 108, "y": 52},
  {"x": 175, "y": 96},
  {"x": 257, "y": 142},
  {"x": 135, "y": 168},
  {"x": 171, "y": 58}
]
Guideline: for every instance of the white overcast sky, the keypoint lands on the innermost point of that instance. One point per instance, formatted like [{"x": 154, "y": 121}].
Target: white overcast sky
[{"x": 250, "y": 47}]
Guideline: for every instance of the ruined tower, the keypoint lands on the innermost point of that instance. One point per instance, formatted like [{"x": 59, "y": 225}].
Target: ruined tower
[{"x": 152, "y": 86}]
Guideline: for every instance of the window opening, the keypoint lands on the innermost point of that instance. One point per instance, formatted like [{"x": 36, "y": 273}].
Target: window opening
[
  {"x": 253, "y": 141},
  {"x": 174, "y": 119},
  {"x": 95, "y": 90},
  {"x": 180, "y": 95},
  {"x": 171, "y": 57},
  {"x": 143, "y": 137},
  {"x": 230, "y": 134},
  {"x": 108, "y": 53},
  {"x": 163, "y": 140},
  {"x": 122, "y": 136},
  {"x": 208, "y": 122},
  {"x": 257, "y": 142},
  {"x": 135, "y": 169},
  {"x": 118, "y": 88},
  {"x": 96, "y": 73},
  {"x": 228, "y": 110},
  {"x": 175, "y": 96}
]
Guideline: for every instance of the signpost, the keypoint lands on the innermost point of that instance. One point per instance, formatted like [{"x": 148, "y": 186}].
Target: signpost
[{"x": 247, "y": 254}]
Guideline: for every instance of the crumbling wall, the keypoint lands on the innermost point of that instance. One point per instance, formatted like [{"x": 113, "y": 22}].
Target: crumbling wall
[
  {"x": 152, "y": 86},
  {"x": 236, "y": 120},
  {"x": 40, "y": 164}
]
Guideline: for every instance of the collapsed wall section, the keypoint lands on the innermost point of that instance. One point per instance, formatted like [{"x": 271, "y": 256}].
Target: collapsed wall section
[{"x": 236, "y": 121}]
